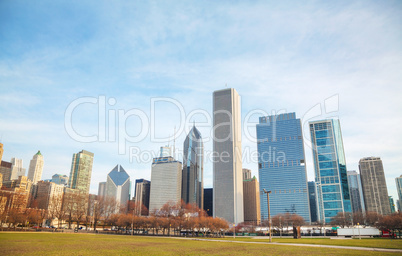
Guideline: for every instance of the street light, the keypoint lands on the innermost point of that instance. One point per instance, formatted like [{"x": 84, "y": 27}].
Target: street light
[{"x": 269, "y": 215}]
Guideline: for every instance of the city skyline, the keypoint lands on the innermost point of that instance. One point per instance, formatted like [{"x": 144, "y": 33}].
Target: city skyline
[{"x": 276, "y": 61}]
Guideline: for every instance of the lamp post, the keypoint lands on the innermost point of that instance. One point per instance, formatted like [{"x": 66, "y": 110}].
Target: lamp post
[
  {"x": 269, "y": 215},
  {"x": 132, "y": 223}
]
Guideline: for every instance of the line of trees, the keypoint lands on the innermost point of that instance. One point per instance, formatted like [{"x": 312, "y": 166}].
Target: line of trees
[{"x": 392, "y": 222}]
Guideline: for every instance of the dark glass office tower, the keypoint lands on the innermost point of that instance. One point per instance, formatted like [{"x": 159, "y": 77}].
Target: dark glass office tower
[
  {"x": 192, "y": 190},
  {"x": 312, "y": 193}
]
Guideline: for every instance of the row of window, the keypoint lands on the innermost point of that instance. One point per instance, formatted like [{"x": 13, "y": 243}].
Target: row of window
[
  {"x": 279, "y": 139},
  {"x": 289, "y": 191},
  {"x": 281, "y": 163}
]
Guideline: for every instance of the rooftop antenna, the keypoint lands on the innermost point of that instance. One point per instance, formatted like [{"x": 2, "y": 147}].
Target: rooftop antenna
[{"x": 226, "y": 85}]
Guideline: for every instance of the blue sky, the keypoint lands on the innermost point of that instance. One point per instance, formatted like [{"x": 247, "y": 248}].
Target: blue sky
[{"x": 279, "y": 55}]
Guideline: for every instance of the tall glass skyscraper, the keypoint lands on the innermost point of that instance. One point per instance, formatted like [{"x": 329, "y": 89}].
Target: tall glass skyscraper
[
  {"x": 281, "y": 166},
  {"x": 330, "y": 169},
  {"x": 192, "y": 189},
  {"x": 356, "y": 192},
  {"x": 81, "y": 171}
]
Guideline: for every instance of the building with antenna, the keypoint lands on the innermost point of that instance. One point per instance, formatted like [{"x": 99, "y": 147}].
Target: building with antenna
[
  {"x": 165, "y": 181},
  {"x": 227, "y": 156}
]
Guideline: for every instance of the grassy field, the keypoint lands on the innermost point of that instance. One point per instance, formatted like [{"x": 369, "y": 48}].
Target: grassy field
[
  {"x": 364, "y": 242},
  {"x": 90, "y": 244}
]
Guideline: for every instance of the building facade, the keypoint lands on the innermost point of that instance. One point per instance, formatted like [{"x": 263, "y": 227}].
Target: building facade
[
  {"x": 374, "y": 186},
  {"x": 60, "y": 179},
  {"x": 246, "y": 174},
  {"x": 16, "y": 168},
  {"x": 312, "y": 194},
  {"x": 281, "y": 166},
  {"x": 251, "y": 201},
  {"x": 81, "y": 171},
  {"x": 36, "y": 168},
  {"x": 1, "y": 151},
  {"x": 398, "y": 181},
  {"x": 208, "y": 201},
  {"x": 165, "y": 182},
  {"x": 118, "y": 186},
  {"x": 356, "y": 192},
  {"x": 330, "y": 169},
  {"x": 227, "y": 156},
  {"x": 192, "y": 189},
  {"x": 5, "y": 170},
  {"x": 391, "y": 204},
  {"x": 102, "y": 189},
  {"x": 142, "y": 193},
  {"x": 49, "y": 196}
]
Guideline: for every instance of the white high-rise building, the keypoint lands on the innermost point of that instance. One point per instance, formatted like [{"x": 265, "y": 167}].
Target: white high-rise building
[
  {"x": 118, "y": 186},
  {"x": 16, "y": 168},
  {"x": 166, "y": 178},
  {"x": 36, "y": 168},
  {"x": 227, "y": 162}
]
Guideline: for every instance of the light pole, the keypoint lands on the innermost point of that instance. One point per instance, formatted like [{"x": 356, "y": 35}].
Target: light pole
[
  {"x": 132, "y": 223},
  {"x": 269, "y": 215}
]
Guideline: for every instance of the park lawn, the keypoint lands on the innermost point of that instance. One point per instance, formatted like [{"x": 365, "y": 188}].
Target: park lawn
[
  {"x": 364, "y": 242},
  {"x": 91, "y": 244}
]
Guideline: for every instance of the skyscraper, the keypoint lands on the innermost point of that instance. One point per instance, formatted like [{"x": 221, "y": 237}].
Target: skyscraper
[
  {"x": 246, "y": 174},
  {"x": 330, "y": 169},
  {"x": 374, "y": 186},
  {"x": 193, "y": 169},
  {"x": 391, "y": 204},
  {"x": 356, "y": 192},
  {"x": 227, "y": 162},
  {"x": 165, "y": 182},
  {"x": 102, "y": 189},
  {"x": 398, "y": 181},
  {"x": 5, "y": 170},
  {"x": 281, "y": 166},
  {"x": 1, "y": 151},
  {"x": 142, "y": 193},
  {"x": 36, "y": 168},
  {"x": 16, "y": 168},
  {"x": 208, "y": 201},
  {"x": 312, "y": 192},
  {"x": 81, "y": 171},
  {"x": 118, "y": 186},
  {"x": 251, "y": 200}
]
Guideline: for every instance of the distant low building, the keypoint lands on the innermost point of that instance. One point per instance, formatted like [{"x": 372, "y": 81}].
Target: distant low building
[
  {"x": 49, "y": 196},
  {"x": 60, "y": 179},
  {"x": 251, "y": 200}
]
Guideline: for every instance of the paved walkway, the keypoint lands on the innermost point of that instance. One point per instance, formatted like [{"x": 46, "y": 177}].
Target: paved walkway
[{"x": 305, "y": 245}]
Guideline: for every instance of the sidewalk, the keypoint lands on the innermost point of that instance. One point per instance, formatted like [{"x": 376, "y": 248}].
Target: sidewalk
[{"x": 305, "y": 245}]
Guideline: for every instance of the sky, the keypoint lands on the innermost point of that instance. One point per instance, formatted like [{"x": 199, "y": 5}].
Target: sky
[{"x": 122, "y": 78}]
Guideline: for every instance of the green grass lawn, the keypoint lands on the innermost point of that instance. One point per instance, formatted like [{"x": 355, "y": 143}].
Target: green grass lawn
[
  {"x": 364, "y": 242},
  {"x": 90, "y": 244}
]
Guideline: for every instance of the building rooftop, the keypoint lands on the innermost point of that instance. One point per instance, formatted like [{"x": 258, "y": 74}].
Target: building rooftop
[{"x": 118, "y": 175}]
